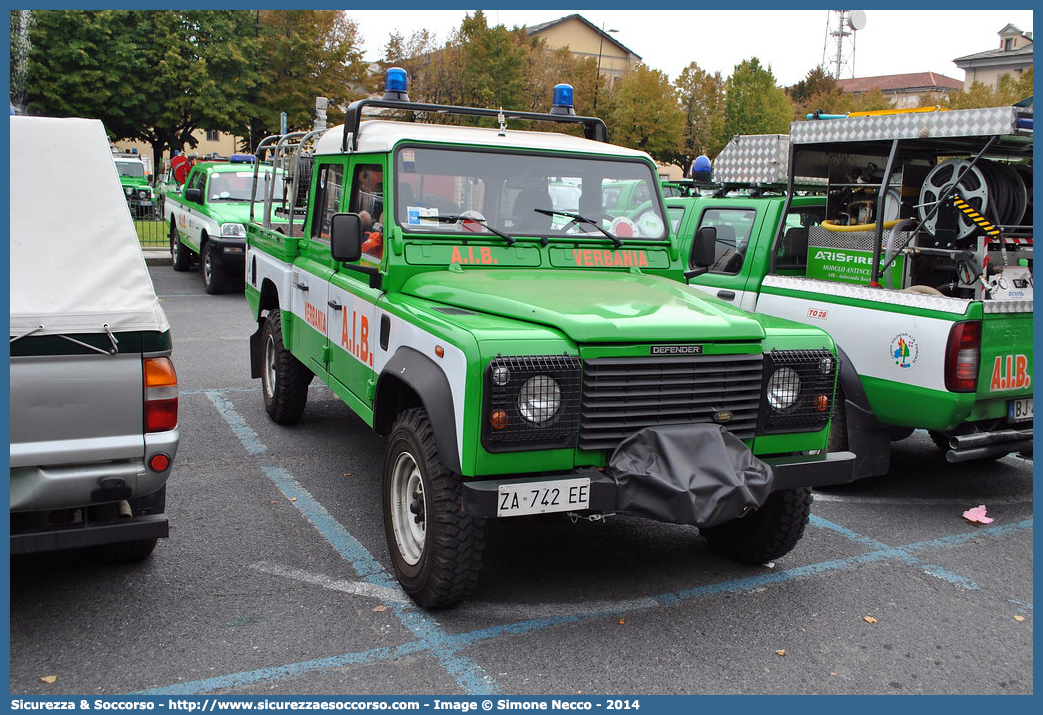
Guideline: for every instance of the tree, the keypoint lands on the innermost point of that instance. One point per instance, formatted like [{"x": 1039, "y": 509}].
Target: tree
[
  {"x": 154, "y": 76},
  {"x": 306, "y": 54},
  {"x": 752, "y": 102},
  {"x": 701, "y": 95},
  {"x": 642, "y": 112},
  {"x": 1008, "y": 91}
]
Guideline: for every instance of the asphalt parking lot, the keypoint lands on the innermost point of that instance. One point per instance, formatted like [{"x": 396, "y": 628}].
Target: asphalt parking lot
[{"x": 276, "y": 580}]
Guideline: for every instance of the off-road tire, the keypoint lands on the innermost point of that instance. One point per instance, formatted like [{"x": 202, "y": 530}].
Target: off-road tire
[
  {"x": 215, "y": 277},
  {"x": 180, "y": 258},
  {"x": 436, "y": 548},
  {"x": 767, "y": 533},
  {"x": 284, "y": 378}
]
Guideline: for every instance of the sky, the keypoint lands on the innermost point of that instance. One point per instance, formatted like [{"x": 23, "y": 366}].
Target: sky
[{"x": 791, "y": 42}]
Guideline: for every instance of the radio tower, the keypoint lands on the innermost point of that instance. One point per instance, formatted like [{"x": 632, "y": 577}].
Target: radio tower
[{"x": 840, "y": 24}]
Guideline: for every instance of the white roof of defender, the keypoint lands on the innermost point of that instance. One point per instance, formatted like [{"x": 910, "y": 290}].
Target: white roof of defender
[
  {"x": 381, "y": 136},
  {"x": 76, "y": 263}
]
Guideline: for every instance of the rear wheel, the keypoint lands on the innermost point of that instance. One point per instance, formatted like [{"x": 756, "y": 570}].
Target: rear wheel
[
  {"x": 436, "y": 548},
  {"x": 767, "y": 533},
  {"x": 180, "y": 258},
  {"x": 215, "y": 277},
  {"x": 284, "y": 378}
]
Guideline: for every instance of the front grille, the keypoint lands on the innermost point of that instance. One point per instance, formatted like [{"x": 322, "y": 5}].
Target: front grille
[{"x": 624, "y": 395}]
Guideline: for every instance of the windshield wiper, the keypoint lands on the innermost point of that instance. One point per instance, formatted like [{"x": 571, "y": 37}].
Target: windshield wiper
[
  {"x": 616, "y": 240},
  {"x": 456, "y": 218}
]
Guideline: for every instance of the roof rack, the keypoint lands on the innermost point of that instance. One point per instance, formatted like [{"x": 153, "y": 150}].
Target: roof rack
[{"x": 593, "y": 127}]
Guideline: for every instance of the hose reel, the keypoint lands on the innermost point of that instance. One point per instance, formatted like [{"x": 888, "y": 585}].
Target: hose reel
[{"x": 996, "y": 191}]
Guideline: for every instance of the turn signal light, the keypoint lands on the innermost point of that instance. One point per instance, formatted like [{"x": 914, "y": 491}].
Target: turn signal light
[
  {"x": 160, "y": 395},
  {"x": 821, "y": 403},
  {"x": 498, "y": 419}
]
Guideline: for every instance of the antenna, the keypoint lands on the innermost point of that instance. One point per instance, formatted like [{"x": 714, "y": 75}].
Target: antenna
[{"x": 839, "y": 25}]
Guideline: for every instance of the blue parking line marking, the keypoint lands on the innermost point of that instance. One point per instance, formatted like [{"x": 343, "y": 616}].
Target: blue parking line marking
[
  {"x": 932, "y": 569},
  {"x": 471, "y": 677},
  {"x": 445, "y": 647},
  {"x": 615, "y": 610}
]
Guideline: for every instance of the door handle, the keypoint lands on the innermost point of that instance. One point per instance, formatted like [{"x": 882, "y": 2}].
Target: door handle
[
  {"x": 726, "y": 294},
  {"x": 302, "y": 286},
  {"x": 334, "y": 304}
]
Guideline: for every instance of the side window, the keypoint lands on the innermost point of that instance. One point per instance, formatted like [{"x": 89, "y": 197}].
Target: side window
[
  {"x": 199, "y": 182},
  {"x": 327, "y": 199},
  {"x": 791, "y": 255},
  {"x": 641, "y": 195},
  {"x": 733, "y": 237},
  {"x": 367, "y": 200}
]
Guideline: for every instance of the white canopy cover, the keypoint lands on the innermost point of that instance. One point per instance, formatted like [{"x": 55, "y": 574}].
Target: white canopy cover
[{"x": 76, "y": 263}]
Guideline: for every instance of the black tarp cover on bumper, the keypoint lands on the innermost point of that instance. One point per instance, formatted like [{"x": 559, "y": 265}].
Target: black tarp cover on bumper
[{"x": 698, "y": 474}]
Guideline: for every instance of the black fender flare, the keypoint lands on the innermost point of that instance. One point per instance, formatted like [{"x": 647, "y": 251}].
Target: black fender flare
[
  {"x": 429, "y": 383},
  {"x": 866, "y": 437}
]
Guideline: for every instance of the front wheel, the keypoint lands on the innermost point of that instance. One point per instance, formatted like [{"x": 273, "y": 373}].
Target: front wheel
[
  {"x": 180, "y": 258},
  {"x": 215, "y": 277},
  {"x": 436, "y": 548},
  {"x": 767, "y": 533},
  {"x": 284, "y": 378}
]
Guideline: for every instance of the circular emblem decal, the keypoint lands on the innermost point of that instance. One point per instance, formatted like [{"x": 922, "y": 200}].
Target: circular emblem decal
[{"x": 904, "y": 350}]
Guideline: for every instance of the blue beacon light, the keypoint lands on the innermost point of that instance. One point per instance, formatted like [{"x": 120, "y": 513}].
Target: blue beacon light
[
  {"x": 396, "y": 84},
  {"x": 563, "y": 102}
]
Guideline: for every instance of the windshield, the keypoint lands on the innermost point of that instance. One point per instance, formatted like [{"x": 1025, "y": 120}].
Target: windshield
[
  {"x": 235, "y": 185},
  {"x": 131, "y": 168},
  {"x": 514, "y": 193}
]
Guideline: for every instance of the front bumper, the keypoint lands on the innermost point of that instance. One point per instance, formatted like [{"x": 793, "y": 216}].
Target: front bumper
[
  {"x": 228, "y": 252},
  {"x": 480, "y": 497}
]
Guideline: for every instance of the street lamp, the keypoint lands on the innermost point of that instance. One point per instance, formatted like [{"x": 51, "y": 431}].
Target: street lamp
[{"x": 601, "y": 44}]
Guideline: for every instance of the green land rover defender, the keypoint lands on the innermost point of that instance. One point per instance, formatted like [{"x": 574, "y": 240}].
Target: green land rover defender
[{"x": 523, "y": 356}]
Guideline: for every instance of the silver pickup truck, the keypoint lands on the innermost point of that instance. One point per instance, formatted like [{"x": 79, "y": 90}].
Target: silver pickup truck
[{"x": 93, "y": 390}]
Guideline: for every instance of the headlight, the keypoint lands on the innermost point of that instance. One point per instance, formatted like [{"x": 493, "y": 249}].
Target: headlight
[
  {"x": 783, "y": 388},
  {"x": 233, "y": 230},
  {"x": 531, "y": 402},
  {"x": 143, "y": 194},
  {"x": 128, "y": 190},
  {"x": 539, "y": 399}
]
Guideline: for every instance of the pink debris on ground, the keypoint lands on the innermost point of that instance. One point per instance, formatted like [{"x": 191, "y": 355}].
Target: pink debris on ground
[{"x": 977, "y": 515}]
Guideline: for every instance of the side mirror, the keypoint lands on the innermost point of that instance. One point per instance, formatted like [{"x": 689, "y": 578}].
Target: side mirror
[
  {"x": 194, "y": 195},
  {"x": 703, "y": 251},
  {"x": 346, "y": 237}
]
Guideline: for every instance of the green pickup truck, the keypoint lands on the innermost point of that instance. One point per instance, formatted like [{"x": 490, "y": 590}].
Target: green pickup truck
[
  {"x": 523, "y": 359},
  {"x": 931, "y": 307},
  {"x": 208, "y": 217}
]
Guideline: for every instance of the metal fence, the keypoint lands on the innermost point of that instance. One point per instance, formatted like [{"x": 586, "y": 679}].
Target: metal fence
[{"x": 148, "y": 221}]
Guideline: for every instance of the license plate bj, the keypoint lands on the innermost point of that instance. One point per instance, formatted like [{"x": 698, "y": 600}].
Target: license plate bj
[
  {"x": 1019, "y": 410},
  {"x": 543, "y": 497}
]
